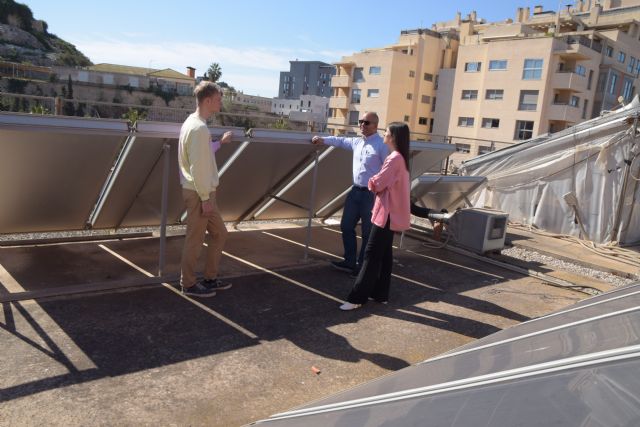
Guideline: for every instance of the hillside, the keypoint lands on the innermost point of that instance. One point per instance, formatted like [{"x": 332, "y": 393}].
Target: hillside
[{"x": 26, "y": 40}]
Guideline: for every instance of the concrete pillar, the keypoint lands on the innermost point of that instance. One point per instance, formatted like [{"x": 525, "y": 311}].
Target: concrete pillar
[
  {"x": 595, "y": 14},
  {"x": 58, "y": 106}
]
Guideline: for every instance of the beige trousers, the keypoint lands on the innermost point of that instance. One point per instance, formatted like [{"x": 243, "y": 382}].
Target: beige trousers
[{"x": 197, "y": 224}]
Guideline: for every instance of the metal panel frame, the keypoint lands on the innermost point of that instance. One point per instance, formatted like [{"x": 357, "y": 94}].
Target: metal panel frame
[
  {"x": 424, "y": 156},
  {"x": 456, "y": 189},
  {"x": 141, "y": 177}
]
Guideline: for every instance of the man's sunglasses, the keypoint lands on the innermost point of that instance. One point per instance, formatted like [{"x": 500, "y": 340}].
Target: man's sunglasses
[{"x": 364, "y": 122}]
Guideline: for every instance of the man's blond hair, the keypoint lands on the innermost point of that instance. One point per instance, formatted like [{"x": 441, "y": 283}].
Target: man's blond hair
[{"x": 205, "y": 89}]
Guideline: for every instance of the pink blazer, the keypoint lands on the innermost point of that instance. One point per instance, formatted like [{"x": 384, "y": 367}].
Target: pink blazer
[{"x": 391, "y": 186}]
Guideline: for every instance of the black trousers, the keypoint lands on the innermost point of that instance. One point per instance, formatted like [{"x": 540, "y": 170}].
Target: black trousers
[{"x": 375, "y": 275}]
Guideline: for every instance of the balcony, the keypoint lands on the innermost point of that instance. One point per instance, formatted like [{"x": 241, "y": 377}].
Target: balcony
[
  {"x": 577, "y": 48},
  {"x": 569, "y": 80},
  {"x": 564, "y": 112},
  {"x": 339, "y": 102},
  {"x": 336, "y": 121},
  {"x": 340, "y": 81}
]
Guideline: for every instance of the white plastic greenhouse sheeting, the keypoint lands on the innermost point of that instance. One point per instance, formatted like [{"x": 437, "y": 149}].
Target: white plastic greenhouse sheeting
[{"x": 597, "y": 161}]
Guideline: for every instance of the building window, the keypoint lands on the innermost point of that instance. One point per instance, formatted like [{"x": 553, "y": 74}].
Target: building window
[
  {"x": 524, "y": 130},
  {"x": 589, "y": 79},
  {"x": 463, "y": 148},
  {"x": 358, "y": 76},
  {"x": 422, "y": 120},
  {"x": 428, "y": 77},
  {"x": 469, "y": 94},
  {"x": 584, "y": 108},
  {"x": 498, "y": 64},
  {"x": 609, "y": 51},
  {"x": 490, "y": 123},
  {"x": 627, "y": 89},
  {"x": 355, "y": 96},
  {"x": 406, "y": 118},
  {"x": 494, "y": 94},
  {"x": 426, "y": 99},
  {"x": 465, "y": 121},
  {"x": 435, "y": 82},
  {"x": 484, "y": 149},
  {"x": 528, "y": 100},
  {"x": 621, "y": 57},
  {"x": 375, "y": 70},
  {"x": 433, "y": 104},
  {"x": 412, "y": 73},
  {"x": 409, "y": 96},
  {"x": 580, "y": 70},
  {"x": 574, "y": 101},
  {"x": 373, "y": 93},
  {"x": 431, "y": 121},
  {"x": 472, "y": 67},
  {"x": 631, "y": 65},
  {"x": 532, "y": 69},
  {"x": 612, "y": 85},
  {"x": 353, "y": 118}
]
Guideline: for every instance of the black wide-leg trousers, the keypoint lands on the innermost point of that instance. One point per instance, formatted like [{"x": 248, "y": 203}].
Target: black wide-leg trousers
[{"x": 375, "y": 275}]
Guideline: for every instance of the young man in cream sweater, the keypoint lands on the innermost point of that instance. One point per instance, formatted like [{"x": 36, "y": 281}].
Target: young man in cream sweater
[{"x": 199, "y": 179}]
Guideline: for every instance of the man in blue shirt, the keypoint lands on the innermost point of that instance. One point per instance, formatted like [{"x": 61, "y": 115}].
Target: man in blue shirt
[{"x": 369, "y": 152}]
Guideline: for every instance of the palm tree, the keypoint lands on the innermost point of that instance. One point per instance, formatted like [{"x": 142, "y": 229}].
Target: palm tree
[{"x": 214, "y": 72}]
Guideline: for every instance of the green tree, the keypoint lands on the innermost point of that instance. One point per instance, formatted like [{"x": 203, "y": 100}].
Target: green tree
[
  {"x": 214, "y": 72},
  {"x": 69, "y": 88},
  {"x": 68, "y": 109},
  {"x": 39, "y": 109},
  {"x": 133, "y": 116},
  {"x": 280, "y": 123}
]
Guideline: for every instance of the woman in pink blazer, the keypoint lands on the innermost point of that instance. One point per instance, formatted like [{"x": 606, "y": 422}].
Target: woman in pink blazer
[{"x": 390, "y": 214}]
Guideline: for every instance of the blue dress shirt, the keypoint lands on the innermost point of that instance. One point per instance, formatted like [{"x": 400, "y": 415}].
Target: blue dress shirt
[{"x": 368, "y": 155}]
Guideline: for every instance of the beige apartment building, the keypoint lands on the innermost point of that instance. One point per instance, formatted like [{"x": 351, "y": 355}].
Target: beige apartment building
[
  {"x": 398, "y": 82},
  {"x": 485, "y": 86},
  {"x": 540, "y": 74}
]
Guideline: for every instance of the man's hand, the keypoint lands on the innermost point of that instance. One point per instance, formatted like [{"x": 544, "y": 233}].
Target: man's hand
[
  {"x": 207, "y": 208},
  {"x": 226, "y": 137},
  {"x": 317, "y": 140}
]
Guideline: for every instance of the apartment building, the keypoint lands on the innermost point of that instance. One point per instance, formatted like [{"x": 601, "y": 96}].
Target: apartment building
[
  {"x": 309, "y": 109},
  {"x": 305, "y": 78},
  {"x": 541, "y": 73},
  {"x": 398, "y": 82}
]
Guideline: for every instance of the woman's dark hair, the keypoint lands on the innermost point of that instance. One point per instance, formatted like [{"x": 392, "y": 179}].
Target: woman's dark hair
[{"x": 401, "y": 134}]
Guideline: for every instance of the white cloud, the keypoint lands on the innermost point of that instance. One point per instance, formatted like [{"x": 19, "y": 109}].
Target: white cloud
[{"x": 254, "y": 70}]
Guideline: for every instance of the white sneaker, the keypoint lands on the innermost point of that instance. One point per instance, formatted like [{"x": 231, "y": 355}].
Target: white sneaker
[{"x": 348, "y": 306}]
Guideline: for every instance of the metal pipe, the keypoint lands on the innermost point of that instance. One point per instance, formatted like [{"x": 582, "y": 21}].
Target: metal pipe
[
  {"x": 312, "y": 204},
  {"x": 613, "y": 237},
  {"x": 163, "y": 208},
  {"x": 111, "y": 179}
]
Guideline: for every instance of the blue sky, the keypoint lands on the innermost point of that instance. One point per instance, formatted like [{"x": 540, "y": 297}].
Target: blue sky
[{"x": 252, "y": 40}]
